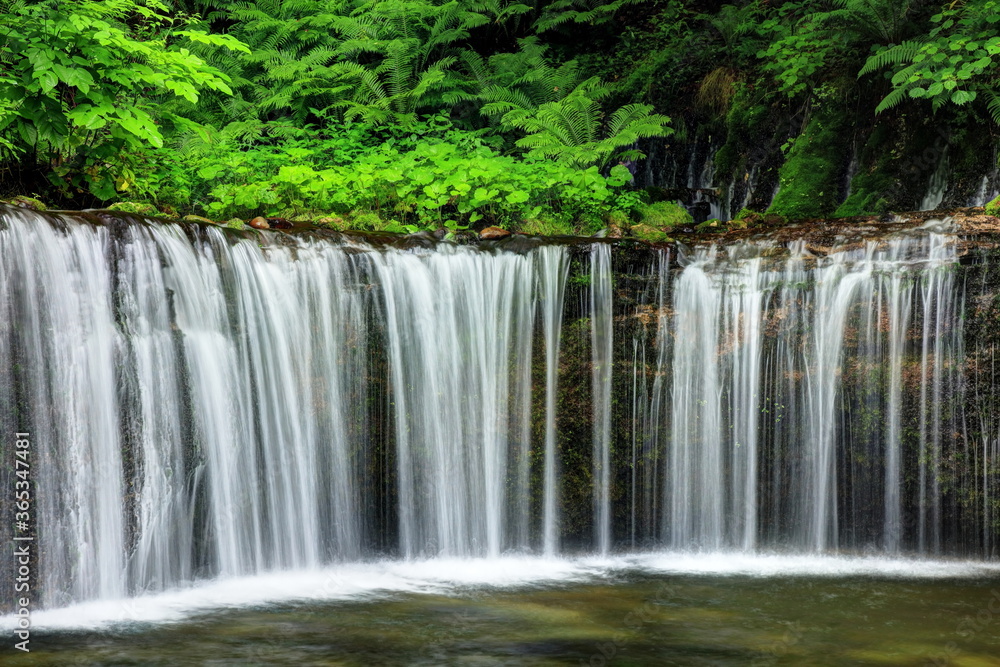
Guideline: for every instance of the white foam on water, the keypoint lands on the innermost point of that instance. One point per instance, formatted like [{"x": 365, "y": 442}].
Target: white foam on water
[
  {"x": 442, "y": 576},
  {"x": 342, "y": 582},
  {"x": 785, "y": 565}
]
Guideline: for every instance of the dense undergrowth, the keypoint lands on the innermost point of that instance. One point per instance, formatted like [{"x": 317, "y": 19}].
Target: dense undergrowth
[{"x": 406, "y": 114}]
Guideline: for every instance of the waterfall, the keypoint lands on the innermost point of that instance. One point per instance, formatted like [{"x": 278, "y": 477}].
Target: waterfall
[
  {"x": 602, "y": 345},
  {"x": 59, "y": 290},
  {"x": 207, "y": 403},
  {"x": 777, "y": 343},
  {"x": 457, "y": 406},
  {"x": 936, "y": 187},
  {"x": 553, "y": 267}
]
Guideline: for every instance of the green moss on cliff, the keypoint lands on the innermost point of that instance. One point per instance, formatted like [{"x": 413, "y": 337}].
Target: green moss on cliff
[
  {"x": 873, "y": 186},
  {"x": 993, "y": 207},
  {"x": 809, "y": 175}
]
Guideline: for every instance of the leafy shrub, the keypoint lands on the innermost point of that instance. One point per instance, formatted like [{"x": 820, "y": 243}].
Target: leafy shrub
[
  {"x": 80, "y": 86},
  {"x": 453, "y": 178}
]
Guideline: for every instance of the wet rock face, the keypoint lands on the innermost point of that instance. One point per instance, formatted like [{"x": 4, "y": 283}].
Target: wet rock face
[{"x": 260, "y": 223}]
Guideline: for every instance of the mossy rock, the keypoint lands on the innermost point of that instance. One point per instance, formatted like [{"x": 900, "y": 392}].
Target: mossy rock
[
  {"x": 713, "y": 225},
  {"x": 236, "y": 224},
  {"x": 139, "y": 208},
  {"x": 198, "y": 218},
  {"x": 747, "y": 218},
  {"x": 366, "y": 221},
  {"x": 545, "y": 226},
  {"x": 618, "y": 219},
  {"x": 650, "y": 234},
  {"x": 26, "y": 202},
  {"x": 993, "y": 207},
  {"x": 665, "y": 214},
  {"x": 334, "y": 222}
]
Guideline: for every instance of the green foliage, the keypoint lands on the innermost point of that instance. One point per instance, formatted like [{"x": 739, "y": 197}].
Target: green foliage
[
  {"x": 590, "y": 12},
  {"x": 399, "y": 55},
  {"x": 81, "y": 85},
  {"x": 450, "y": 179},
  {"x": 571, "y": 130},
  {"x": 953, "y": 63},
  {"x": 799, "y": 47},
  {"x": 805, "y": 40},
  {"x": 406, "y": 114}
]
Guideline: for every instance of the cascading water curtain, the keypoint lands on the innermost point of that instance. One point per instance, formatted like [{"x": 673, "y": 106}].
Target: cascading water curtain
[
  {"x": 206, "y": 403},
  {"x": 602, "y": 332},
  {"x": 200, "y": 401},
  {"x": 807, "y": 396}
]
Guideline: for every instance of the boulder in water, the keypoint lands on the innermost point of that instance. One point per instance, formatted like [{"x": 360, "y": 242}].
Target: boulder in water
[{"x": 259, "y": 223}]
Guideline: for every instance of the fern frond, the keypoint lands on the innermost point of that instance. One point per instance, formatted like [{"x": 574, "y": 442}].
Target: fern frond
[
  {"x": 891, "y": 100},
  {"x": 896, "y": 54},
  {"x": 993, "y": 105}
]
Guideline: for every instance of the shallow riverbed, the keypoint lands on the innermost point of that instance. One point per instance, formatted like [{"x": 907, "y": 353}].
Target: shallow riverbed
[{"x": 650, "y": 610}]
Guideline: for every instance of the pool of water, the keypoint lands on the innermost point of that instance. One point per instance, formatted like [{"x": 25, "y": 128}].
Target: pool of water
[{"x": 652, "y": 610}]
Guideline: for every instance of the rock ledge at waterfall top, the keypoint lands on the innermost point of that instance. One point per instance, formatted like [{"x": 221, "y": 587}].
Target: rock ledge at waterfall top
[{"x": 821, "y": 236}]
